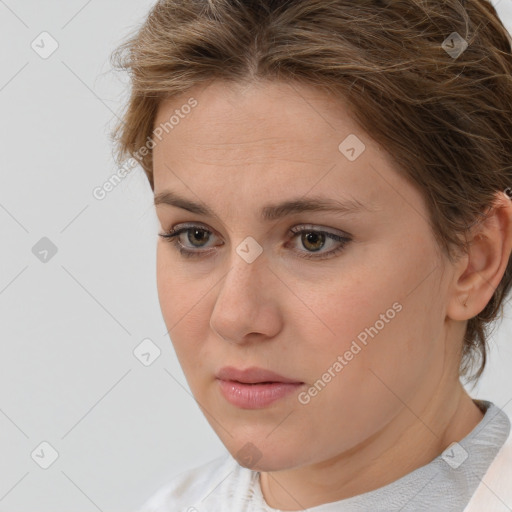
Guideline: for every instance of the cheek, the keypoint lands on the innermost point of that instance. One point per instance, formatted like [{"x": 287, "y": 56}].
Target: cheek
[
  {"x": 167, "y": 286},
  {"x": 186, "y": 307},
  {"x": 178, "y": 291},
  {"x": 385, "y": 358},
  {"x": 182, "y": 303},
  {"x": 374, "y": 320}
]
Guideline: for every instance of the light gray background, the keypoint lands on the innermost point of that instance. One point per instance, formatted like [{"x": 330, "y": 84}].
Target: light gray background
[{"x": 69, "y": 326}]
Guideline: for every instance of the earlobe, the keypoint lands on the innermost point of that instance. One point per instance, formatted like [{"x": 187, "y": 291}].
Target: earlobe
[{"x": 480, "y": 271}]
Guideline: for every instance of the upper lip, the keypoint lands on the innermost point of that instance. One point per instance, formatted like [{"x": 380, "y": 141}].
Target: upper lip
[{"x": 252, "y": 375}]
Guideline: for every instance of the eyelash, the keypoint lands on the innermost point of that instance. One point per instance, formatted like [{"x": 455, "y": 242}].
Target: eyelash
[{"x": 172, "y": 237}]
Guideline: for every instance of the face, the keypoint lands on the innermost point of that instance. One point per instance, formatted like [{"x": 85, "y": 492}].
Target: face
[{"x": 348, "y": 304}]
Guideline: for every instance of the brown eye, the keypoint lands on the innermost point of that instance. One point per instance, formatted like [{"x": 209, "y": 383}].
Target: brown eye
[
  {"x": 312, "y": 240},
  {"x": 196, "y": 238},
  {"x": 197, "y": 235}
]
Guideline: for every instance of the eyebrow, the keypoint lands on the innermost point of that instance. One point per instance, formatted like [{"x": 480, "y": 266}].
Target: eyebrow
[{"x": 271, "y": 212}]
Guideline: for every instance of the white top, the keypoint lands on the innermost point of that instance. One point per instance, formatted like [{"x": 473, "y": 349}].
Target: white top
[{"x": 473, "y": 475}]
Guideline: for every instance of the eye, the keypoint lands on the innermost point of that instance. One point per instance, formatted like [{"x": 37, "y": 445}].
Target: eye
[
  {"x": 313, "y": 240},
  {"x": 195, "y": 235}
]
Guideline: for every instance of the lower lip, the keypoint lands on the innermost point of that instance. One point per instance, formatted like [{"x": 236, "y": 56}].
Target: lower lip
[{"x": 255, "y": 396}]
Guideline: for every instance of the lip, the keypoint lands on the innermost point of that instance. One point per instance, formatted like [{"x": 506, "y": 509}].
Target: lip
[
  {"x": 254, "y": 388},
  {"x": 253, "y": 375}
]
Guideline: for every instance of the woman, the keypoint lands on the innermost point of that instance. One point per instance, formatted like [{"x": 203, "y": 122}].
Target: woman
[{"x": 331, "y": 179}]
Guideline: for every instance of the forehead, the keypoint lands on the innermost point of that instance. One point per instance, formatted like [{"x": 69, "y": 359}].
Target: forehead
[
  {"x": 268, "y": 136},
  {"x": 264, "y": 118}
]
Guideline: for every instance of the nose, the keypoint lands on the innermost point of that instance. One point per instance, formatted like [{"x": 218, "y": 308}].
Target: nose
[{"x": 247, "y": 306}]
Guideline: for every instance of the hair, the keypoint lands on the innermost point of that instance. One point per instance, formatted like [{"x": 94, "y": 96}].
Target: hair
[{"x": 446, "y": 120}]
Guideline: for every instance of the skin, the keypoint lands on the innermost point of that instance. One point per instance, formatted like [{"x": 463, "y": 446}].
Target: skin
[{"x": 399, "y": 402}]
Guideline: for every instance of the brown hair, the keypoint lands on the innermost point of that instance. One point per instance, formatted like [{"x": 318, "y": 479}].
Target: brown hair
[{"x": 445, "y": 118}]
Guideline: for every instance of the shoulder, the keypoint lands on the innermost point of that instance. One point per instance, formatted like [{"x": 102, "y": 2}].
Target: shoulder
[
  {"x": 191, "y": 487},
  {"x": 494, "y": 493}
]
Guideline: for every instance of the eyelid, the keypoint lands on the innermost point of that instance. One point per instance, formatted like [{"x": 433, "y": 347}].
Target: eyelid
[
  {"x": 319, "y": 229},
  {"x": 294, "y": 230},
  {"x": 179, "y": 229},
  {"x": 190, "y": 225}
]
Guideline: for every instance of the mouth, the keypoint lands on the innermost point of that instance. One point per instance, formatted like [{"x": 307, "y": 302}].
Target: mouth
[{"x": 254, "y": 388}]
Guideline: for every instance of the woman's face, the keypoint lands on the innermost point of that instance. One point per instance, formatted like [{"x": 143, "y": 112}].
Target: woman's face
[{"x": 360, "y": 324}]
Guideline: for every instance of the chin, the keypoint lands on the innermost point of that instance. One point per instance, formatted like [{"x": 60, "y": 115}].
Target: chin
[{"x": 263, "y": 456}]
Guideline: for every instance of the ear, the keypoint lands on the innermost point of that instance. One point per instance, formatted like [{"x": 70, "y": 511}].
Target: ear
[{"x": 478, "y": 273}]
